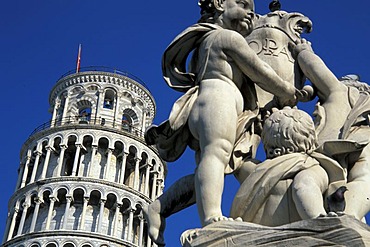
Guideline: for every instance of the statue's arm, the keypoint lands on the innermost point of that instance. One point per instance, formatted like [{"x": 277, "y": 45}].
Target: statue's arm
[
  {"x": 257, "y": 70},
  {"x": 319, "y": 74}
]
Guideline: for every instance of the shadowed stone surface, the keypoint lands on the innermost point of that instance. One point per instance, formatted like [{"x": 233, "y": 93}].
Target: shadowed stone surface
[{"x": 333, "y": 231}]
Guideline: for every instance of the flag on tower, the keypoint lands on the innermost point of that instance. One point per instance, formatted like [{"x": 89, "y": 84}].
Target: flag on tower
[{"x": 78, "y": 59}]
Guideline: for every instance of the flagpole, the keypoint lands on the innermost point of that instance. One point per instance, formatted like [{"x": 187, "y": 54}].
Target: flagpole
[{"x": 78, "y": 59}]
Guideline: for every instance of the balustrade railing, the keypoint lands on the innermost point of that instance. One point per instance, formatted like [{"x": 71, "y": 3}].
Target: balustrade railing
[
  {"x": 106, "y": 69},
  {"x": 122, "y": 125}
]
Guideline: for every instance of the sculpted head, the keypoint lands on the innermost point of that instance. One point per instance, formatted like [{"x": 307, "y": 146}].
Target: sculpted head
[
  {"x": 354, "y": 81},
  {"x": 237, "y": 15},
  {"x": 288, "y": 131}
]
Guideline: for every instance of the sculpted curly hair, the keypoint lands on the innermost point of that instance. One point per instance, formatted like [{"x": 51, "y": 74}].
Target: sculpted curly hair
[
  {"x": 354, "y": 81},
  {"x": 209, "y": 9},
  {"x": 288, "y": 131}
]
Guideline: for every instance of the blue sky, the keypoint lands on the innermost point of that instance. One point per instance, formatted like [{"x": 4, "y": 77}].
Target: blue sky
[{"x": 39, "y": 42}]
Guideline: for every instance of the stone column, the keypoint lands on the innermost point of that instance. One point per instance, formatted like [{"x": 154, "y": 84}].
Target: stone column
[
  {"x": 12, "y": 224},
  {"x": 83, "y": 215},
  {"x": 147, "y": 175},
  {"x": 76, "y": 160},
  {"x": 99, "y": 105},
  {"x": 25, "y": 171},
  {"x": 23, "y": 218},
  {"x": 20, "y": 175},
  {"x": 66, "y": 103},
  {"x": 107, "y": 165},
  {"x": 93, "y": 153},
  {"x": 101, "y": 215},
  {"x": 55, "y": 110},
  {"x": 63, "y": 148},
  {"x": 123, "y": 168},
  {"x": 154, "y": 189},
  {"x": 8, "y": 223},
  {"x": 35, "y": 166},
  {"x": 38, "y": 201},
  {"x": 130, "y": 225},
  {"x": 117, "y": 119},
  {"x": 143, "y": 127},
  {"x": 141, "y": 231},
  {"x": 66, "y": 212},
  {"x": 148, "y": 242},
  {"x": 116, "y": 216},
  {"x": 46, "y": 162},
  {"x": 159, "y": 187},
  {"x": 50, "y": 212},
  {"x": 136, "y": 174}
]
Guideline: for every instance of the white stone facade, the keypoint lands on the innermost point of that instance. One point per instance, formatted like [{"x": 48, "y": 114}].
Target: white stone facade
[{"x": 85, "y": 175}]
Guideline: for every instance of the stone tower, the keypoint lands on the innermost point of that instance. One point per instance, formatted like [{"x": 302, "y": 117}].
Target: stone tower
[{"x": 85, "y": 175}]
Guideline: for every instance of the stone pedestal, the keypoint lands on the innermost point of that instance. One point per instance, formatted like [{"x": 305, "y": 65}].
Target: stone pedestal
[{"x": 333, "y": 231}]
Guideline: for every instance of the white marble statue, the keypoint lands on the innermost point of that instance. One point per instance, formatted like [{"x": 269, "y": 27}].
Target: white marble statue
[
  {"x": 217, "y": 94},
  {"x": 281, "y": 189},
  {"x": 229, "y": 80},
  {"x": 351, "y": 122},
  {"x": 343, "y": 137}
]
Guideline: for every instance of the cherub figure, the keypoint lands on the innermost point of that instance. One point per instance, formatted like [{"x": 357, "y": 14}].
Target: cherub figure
[
  {"x": 295, "y": 166},
  {"x": 217, "y": 94},
  {"x": 342, "y": 113}
]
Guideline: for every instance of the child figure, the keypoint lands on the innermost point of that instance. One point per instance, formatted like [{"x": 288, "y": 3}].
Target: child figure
[{"x": 218, "y": 93}]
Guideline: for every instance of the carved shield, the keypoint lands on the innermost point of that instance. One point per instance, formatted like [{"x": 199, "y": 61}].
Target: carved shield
[{"x": 270, "y": 39}]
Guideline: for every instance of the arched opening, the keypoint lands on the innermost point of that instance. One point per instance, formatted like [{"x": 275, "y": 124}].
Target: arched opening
[
  {"x": 69, "y": 156},
  {"x": 92, "y": 214},
  {"x": 84, "y": 111},
  {"x": 125, "y": 212},
  {"x": 43, "y": 212},
  {"x": 116, "y": 162},
  {"x": 51, "y": 245},
  {"x": 59, "y": 116},
  {"x": 101, "y": 158},
  {"x": 86, "y": 245},
  {"x": 31, "y": 165},
  {"x": 143, "y": 165},
  {"x": 59, "y": 210},
  {"x": 129, "y": 119},
  {"x": 39, "y": 162},
  {"x": 54, "y": 156},
  {"x": 84, "y": 116},
  {"x": 69, "y": 245},
  {"x": 130, "y": 167},
  {"x": 126, "y": 123},
  {"x": 109, "y": 97},
  {"x": 18, "y": 218},
  {"x": 152, "y": 182},
  {"x": 77, "y": 208},
  {"x": 86, "y": 155},
  {"x": 30, "y": 214},
  {"x": 136, "y": 224},
  {"x": 110, "y": 205}
]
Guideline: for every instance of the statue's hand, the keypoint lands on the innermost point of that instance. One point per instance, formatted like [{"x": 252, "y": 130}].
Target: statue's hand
[
  {"x": 290, "y": 99},
  {"x": 298, "y": 46},
  {"x": 307, "y": 93}
]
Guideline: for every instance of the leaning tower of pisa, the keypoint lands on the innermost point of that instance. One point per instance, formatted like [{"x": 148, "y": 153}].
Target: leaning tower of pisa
[{"x": 85, "y": 175}]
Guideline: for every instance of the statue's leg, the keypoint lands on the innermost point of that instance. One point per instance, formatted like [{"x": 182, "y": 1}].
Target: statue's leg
[
  {"x": 308, "y": 188},
  {"x": 245, "y": 169},
  {"x": 358, "y": 194},
  {"x": 214, "y": 126},
  {"x": 179, "y": 196}
]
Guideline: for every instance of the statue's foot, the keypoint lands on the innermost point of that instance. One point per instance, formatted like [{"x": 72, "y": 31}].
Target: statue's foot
[
  {"x": 156, "y": 222},
  {"x": 220, "y": 218},
  {"x": 340, "y": 213},
  {"x": 332, "y": 214}
]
